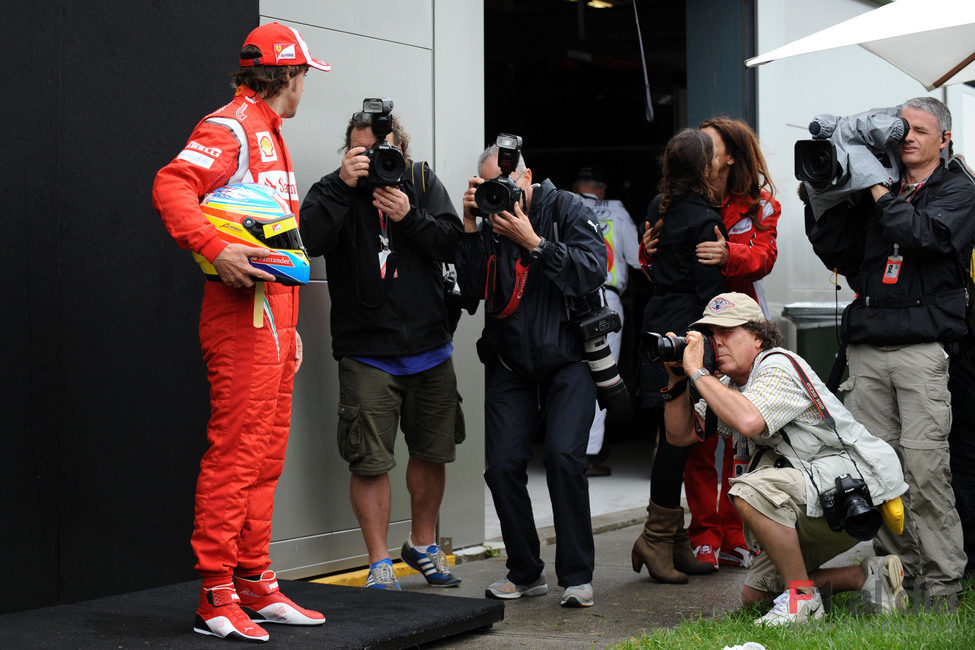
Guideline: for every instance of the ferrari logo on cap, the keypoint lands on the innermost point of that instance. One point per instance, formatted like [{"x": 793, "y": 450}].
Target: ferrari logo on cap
[
  {"x": 284, "y": 52},
  {"x": 266, "y": 145},
  {"x": 720, "y": 304}
]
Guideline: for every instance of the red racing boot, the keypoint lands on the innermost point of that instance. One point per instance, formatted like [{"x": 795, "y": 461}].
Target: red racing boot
[
  {"x": 264, "y": 602},
  {"x": 220, "y": 614}
]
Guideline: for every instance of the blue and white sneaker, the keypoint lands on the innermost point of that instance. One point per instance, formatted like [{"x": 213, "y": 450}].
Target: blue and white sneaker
[
  {"x": 432, "y": 563},
  {"x": 382, "y": 576}
]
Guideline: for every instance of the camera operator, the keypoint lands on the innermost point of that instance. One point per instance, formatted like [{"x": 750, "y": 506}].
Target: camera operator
[
  {"x": 530, "y": 257},
  {"x": 773, "y": 399},
  {"x": 905, "y": 250},
  {"x": 384, "y": 245}
]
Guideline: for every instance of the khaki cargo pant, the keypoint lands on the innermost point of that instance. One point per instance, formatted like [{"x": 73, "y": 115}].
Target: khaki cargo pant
[{"x": 900, "y": 394}]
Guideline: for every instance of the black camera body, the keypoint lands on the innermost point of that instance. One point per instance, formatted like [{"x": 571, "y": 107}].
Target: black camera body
[
  {"x": 592, "y": 321},
  {"x": 660, "y": 348},
  {"x": 501, "y": 194},
  {"x": 386, "y": 163},
  {"x": 849, "y": 507}
]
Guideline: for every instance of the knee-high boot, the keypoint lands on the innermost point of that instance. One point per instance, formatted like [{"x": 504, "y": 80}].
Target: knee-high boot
[{"x": 654, "y": 548}]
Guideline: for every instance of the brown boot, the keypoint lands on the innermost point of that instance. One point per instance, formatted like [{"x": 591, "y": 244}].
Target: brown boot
[
  {"x": 684, "y": 558},
  {"x": 655, "y": 545}
]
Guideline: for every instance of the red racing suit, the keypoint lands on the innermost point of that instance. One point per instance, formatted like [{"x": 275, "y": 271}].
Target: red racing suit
[
  {"x": 250, "y": 368},
  {"x": 752, "y": 254}
]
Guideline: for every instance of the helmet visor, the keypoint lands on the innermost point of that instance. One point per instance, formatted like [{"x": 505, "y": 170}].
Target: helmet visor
[{"x": 281, "y": 233}]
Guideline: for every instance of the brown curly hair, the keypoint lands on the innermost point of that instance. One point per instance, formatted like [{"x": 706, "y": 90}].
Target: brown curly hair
[
  {"x": 767, "y": 332},
  {"x": 749, "y": 175},
  {"x": 266, "y": 80},
  {"x": 686, "y": 163}
]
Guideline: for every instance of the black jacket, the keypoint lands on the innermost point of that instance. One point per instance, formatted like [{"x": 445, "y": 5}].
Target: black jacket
[
  {"x": 538, "y": 337},
  {"x": 934, "y": 232},
  {"x": 371, "y": 316},
  {"x": 682, "y": 286}
]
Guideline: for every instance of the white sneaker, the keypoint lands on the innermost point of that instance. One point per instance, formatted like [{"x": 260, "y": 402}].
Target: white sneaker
[
  {"x": 789, "y": 609},
  {"x": 504, "y": 589},
  {"x": 578, "y": 596},
  {"x": 884, "y": 585}
]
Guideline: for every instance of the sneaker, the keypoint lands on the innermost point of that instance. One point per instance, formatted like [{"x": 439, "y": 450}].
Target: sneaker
[
  {"x": 220, "y": 615},
  {"x": 787, "y": 611},
  {"x": 504, "y": 589},
  {"x": 707, "y": 554},
  {"x": 884, "y": 584},
  {"x": 382, "y": 576},
  {"x": 432, "y": 563},
  {"x": 738, "y": 556},
  {"x": 578, "y": 596},
  {"x": 264, "y": 603}
]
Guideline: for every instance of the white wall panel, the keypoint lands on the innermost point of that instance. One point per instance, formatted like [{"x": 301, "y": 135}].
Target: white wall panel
[
  {"x": 790, "y": 92},
  {"x": 399, "y": 21}
]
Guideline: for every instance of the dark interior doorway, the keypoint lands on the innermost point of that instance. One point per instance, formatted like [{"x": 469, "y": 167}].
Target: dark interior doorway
[{"x": 567, "y": 76}]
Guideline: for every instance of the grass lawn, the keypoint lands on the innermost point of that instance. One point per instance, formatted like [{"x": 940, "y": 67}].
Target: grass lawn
[{"x": 845, "y": 627}]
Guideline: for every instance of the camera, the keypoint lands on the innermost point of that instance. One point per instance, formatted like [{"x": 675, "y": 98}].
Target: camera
[
  {"x": 386, "y": 162},
  {"x": 848, "y": 154},
  {"x": 593, "y": 320},
  {"x": 500, "y": 194},
  {"x": 661, "y": 348},
  {"x": 848, "y": 507}
]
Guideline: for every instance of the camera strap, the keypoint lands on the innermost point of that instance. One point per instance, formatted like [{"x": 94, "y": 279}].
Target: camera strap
[{"x": 823, "y": 411}]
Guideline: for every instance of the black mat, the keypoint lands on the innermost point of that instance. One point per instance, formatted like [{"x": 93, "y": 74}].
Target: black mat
[{"x": 163, "y": 618}]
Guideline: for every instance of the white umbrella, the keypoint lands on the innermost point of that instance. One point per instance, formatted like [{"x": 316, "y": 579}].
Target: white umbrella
[{"x": 931, "y": 40}]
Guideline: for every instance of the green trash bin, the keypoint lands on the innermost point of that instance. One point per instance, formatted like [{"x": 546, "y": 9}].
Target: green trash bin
[{"x": 817, "y": 332}]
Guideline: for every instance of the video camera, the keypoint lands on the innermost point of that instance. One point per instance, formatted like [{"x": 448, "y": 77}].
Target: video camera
[
  {"x": 593, "y": 320},
  {"x": 500, "y": 194},
  {"x": 386, "y": 162},
  {"x": 849, "y": 154}
]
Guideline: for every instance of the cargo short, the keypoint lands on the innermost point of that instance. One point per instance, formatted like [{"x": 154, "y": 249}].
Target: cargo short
[
  {"x": 373, "y": 404},
  {"x": 780, "y": 495}
]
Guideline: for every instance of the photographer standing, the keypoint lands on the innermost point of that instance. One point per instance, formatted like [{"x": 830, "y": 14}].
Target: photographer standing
[
  {"x": 524, "y": 262},
  {"x": 384, "y": 245},
  {"x": 905, "y": 251},
  {"x": 803, "y": 441}
]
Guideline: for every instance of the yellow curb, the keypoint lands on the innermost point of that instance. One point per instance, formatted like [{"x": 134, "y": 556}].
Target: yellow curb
[{"x": 358, "y": 577}]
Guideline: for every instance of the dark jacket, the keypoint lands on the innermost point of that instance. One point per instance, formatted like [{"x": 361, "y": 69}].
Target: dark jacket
[
  {"x": 371, "y": 316},
  {"x": 682, "y": 286},
  {"x": 537, "y": 338},
  {"x": 934, "y": 232}
]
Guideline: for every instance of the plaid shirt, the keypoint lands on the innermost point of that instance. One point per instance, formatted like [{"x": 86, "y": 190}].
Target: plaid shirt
[{"x": 777, "y": 396}]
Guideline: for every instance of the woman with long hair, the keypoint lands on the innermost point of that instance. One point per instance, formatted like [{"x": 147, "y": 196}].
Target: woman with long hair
[
  {"x": 680, "y": 217},
  {"x": 750, "y": 214}
]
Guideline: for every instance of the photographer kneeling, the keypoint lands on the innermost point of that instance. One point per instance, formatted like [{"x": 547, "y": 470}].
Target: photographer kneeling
[{"x": 802, "y": 440}]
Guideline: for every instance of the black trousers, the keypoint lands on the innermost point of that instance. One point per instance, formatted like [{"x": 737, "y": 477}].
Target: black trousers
[
  {"x": 961, "y": 442},
  {"x": 514, "y": 407}
]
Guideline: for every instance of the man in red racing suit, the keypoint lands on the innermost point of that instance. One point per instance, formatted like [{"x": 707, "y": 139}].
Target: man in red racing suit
[{"x": 251, "y": 351}]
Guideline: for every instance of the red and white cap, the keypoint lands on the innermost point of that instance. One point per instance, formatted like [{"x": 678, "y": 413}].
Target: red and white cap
[{"x": 280, "y": 45}]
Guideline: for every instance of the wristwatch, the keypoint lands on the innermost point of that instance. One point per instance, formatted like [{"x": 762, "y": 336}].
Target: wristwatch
[
  {"x": 537, "y": 251},
  {"x": 700, "y": 372}
]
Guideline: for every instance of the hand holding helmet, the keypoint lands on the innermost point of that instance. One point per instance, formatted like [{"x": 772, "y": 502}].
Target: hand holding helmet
[
  {"x": 263, "y": 242},
  {"x": 234, "y": 266}
]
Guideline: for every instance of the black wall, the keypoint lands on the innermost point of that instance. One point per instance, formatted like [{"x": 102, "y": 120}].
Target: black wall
[{"x": 104, "y": 395}]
